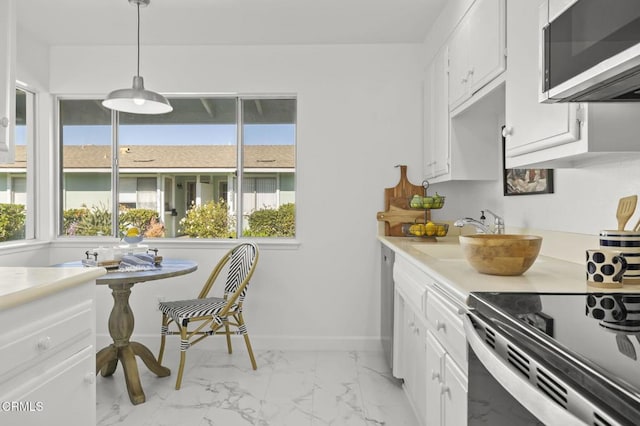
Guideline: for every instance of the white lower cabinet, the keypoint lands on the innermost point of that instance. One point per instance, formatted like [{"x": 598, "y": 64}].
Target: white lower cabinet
[
  {"x": 415, "y": 372},
  {"x": 47, "y": 348},
  {"x": 430, "y": 348},
  {"x": 435, "y": 380}
]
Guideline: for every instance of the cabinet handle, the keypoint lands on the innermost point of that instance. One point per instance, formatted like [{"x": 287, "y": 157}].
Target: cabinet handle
[
  {"x": 440, "y": 325},
  {"x": 463, "y": 80},
  {"x": 4, "y": 122},
  {"x": 507, "y": 131},
  {"x": 44, "y": 343},
  {"x": 470, "y": 73},
  {"x": 444, "y": 389},
  {"x": 435, "y": 375}
]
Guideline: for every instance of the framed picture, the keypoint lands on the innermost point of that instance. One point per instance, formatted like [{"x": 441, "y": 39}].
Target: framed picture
[
  {"x": 526, "y": 181},
  {"x": 539, "y": 320}
]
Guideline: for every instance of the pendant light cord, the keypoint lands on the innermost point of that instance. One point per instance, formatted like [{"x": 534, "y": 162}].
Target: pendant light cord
[{"x": 138, "y": 69}]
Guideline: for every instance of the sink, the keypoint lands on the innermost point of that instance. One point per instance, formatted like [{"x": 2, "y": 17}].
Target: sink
[{"x": 440, "y": 251}]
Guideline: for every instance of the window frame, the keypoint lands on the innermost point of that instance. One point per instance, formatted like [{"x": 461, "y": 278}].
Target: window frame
[
  {"x": 239, "y": 98},
  {"x": 30, "y": 231}
]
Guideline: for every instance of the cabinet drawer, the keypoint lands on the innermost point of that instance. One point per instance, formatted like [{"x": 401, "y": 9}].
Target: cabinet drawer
[
  {"x": 443, "y": 317},
  {"x": 21, "y": 348},
  {"x": 411, "y": 283}
]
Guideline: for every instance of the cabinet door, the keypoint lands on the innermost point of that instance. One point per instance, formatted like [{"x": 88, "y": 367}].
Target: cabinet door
[
  {"x": 62, "y": 395},
  {"x": 435, "y": 375},
  {"x": 420, "y": 358},
  {"x": 459, "y": 65},
  {"x": 530, "y": 125},
  {"x": 436, "y": 147},
  {"x": 7, "y": 79},
  {"x": 486, "y": 42},
  {"x": 399, "y": 353},
  {"x": 454, "y": 394}
]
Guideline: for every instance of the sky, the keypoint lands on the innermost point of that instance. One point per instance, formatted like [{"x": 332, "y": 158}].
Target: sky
[{"x": 254, "y": 134}]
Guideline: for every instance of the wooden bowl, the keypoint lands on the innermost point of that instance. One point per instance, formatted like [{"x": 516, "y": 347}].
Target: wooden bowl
[{"x": 500, "y": 254}]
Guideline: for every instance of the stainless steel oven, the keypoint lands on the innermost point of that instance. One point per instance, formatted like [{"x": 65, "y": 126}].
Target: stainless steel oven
[{"x": 554, "y": 359}]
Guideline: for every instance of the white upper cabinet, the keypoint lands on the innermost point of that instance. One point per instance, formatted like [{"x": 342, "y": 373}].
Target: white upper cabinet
[
  {"x": 436, "y": 132},
  {"x": 476, "y": 50},
  {"x": 7, "y": 79},
  {"x": 554, "y": 135}
]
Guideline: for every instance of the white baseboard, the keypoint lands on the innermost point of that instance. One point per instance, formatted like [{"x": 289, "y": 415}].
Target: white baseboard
[{"x": 262, "y": 343}]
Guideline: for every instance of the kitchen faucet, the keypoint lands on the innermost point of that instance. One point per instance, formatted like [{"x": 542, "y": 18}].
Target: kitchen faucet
[
  {"x": 480, "y": 226},
  {"x": 498, "y": 222}
]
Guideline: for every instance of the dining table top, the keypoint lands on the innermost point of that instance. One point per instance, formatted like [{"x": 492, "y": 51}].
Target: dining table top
[{"x": 167, "y": 269}]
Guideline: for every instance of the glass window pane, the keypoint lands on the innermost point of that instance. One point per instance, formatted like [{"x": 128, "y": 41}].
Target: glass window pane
[
  {"x": 268, "y": 185},
  {"x": 13, "y": 177},
  {"x": 181, "y": 163},
  {"x": 85, "y": 134}
]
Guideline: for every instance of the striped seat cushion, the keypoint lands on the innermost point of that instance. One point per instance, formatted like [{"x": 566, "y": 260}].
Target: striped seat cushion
[{"x": 185, "y": 309}]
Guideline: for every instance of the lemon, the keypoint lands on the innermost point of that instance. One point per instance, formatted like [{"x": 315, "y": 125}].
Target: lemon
[
  {"x": 430, "y": 229},
  {"x": 133, "y": 232},
  {"x": 442, "y": 231}
]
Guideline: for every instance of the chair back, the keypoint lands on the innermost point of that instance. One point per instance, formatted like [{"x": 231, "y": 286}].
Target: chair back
[{"x": 242, "y": 260}]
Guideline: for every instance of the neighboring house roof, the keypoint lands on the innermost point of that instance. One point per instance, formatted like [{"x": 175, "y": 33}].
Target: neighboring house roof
[{"x": 170, "y": 156}]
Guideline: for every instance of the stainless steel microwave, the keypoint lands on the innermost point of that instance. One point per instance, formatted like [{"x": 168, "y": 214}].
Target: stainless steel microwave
[{"x": 590, "y": 51}]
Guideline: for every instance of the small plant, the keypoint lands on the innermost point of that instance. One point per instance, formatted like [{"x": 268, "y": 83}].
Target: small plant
[
  {"x": 155, "y": 229},
  {"x": 12, "y": 220},
  {"x": 210, "y": 220}
]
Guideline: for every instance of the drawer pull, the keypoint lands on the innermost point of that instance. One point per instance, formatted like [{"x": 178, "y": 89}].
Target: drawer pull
[
  {"x": 440, "y": 325},
  {"x": 44, "y": 343},
  {"x": 89, "y": 378},
  {"x": 435, "y": 375}
]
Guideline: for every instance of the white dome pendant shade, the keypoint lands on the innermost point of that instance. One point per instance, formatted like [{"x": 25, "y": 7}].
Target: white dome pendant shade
[{"x": 137, "y": 100}]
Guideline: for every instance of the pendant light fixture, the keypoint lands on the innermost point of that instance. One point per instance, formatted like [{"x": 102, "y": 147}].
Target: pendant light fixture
[{"x": 137, "y": 100}]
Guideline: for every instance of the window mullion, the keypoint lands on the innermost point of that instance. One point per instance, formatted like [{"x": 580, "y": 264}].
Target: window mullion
[
  {"x": 115, "y": 123},
  {"x": 239, "y": 166}
]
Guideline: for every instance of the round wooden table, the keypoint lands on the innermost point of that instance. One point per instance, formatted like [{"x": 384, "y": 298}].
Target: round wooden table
[{"x": 121, "y": 324}]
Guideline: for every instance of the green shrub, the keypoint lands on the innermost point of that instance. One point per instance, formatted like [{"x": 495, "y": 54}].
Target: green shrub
[
  {"x": 144, "y": 219},
  {"x": 93, "y": 221},
  {"x": 70, "y": 219},
  {"x": 210, "y": 220},
  {"x": 12, "y": 219},
  {"x": 272, "y": 222}
]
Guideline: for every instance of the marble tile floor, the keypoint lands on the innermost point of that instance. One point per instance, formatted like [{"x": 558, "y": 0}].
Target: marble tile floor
[{"x": 289, "y": 388}]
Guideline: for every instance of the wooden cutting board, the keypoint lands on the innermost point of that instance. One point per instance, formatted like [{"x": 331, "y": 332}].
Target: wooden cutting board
[{"x": 396, "y": 205}]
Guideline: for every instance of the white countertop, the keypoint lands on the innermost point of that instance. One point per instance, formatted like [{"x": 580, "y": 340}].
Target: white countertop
[
  {"x": 23, "y": 284},
  {"x": 444, "y": 261}
]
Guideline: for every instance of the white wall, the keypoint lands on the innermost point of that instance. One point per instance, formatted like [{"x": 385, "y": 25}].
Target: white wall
[{"x": 359, "y": 114}]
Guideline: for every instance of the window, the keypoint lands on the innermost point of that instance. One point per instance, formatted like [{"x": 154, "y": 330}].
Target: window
[
  {"x": 177, "y": 174},
  {"x": 16, "y": 179}
]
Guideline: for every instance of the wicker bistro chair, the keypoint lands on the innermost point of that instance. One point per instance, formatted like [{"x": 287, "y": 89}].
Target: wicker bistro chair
[{"x": 213, "y": 315}]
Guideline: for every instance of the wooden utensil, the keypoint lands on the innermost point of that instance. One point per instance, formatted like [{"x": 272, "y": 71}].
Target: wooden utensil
[
  {"x": 626, "y": 207},
  {"x": 637, "y": 227},
  {"x": 396, "y": 205}
]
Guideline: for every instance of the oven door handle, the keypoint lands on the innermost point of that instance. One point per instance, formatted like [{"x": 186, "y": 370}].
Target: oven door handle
[{"x": 541, "y": 406}]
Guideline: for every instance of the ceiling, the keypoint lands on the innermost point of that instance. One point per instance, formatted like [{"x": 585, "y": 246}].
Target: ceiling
[{"x": 233, "y": 22}]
